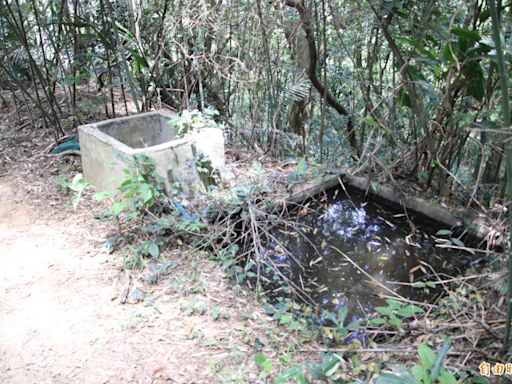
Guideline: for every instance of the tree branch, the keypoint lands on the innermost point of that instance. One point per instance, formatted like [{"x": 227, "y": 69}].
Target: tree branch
[{"x": 305, "y": 18}]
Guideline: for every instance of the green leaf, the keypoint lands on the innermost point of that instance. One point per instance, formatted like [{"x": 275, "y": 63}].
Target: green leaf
[
  {"x": 400, "y": 375},
  {"x": 342, "y": 315},
  {"x": 215, "y": 313},
  {"x": 393, "y": 304},
  {"x": 377, "y": 321},
  {"x": 475, "y": 80},
  {"x": 419, "y": 47},
  {"x": 285, "y": 359},
  {"x": 257, "y": 166},
  {"x": 438, "y": 364},
  {"x": 301, "y": 167},
  {"x": 389, "y": 378},
  {"x": 457, "y": 242},
  {"x": 265, "y": 364},
  {"x": 426, "y": 355},
  {"x": 404, "y": 99},
  {"x": 260, "y": 359},
  {"x": 332, "y": 367},
  {"x": 139, "y": 64},
  {"x": 291, "y": 373},
  {"x": 118, "y": 207},
  {"x": 386, "y": 311},
  {"x": 152, "y": 249},
  {"x": 285, "y": 319},
  {"x": 100, "y": 196},
  {"x": 146, "y": 192},
  {"x": 409, "y": 310},
  {"x": 446, "y": 377},
  {"x": 448, "y": 53},
  {"x": 471, "y": 36},
  {"x": 369, "y": 121},
  {"x": 393, "y": 320},
  {"x": 421, "y": 374}
]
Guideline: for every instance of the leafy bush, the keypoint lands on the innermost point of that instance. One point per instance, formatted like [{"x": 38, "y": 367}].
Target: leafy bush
[
  {"x": 430, "y": 370},
  {"x": 190, "y": 121}
]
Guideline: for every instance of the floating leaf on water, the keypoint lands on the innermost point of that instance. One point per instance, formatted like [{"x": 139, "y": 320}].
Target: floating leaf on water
[
  {"x": 414, "y": 269},
  {"x": 457, "y": 242},
  {"x": 444, "y": 232}
]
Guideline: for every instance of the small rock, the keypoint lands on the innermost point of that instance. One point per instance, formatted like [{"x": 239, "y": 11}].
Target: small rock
[{"x": 137, "y": 295}]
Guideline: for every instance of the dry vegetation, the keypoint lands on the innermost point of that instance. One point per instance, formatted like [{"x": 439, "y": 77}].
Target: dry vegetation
[{"x": 195, "y": 323}]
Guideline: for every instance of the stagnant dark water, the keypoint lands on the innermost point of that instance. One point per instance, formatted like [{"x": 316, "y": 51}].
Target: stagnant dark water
[{"x": 378, "y": 238}]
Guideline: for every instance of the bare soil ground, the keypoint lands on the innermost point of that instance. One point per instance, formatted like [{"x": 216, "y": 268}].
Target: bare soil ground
[
  {"x": 61, "y": 318},
  {"x": 61, "y": 321}
]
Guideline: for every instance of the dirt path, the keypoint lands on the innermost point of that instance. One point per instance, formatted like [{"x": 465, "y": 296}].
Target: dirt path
[{"x": 60, "y": 321}]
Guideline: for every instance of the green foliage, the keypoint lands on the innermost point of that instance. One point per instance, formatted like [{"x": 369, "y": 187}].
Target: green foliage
[
  {"x": 394, "y": 313},
  {"x": 194, "y": 307},
  {"x": 139, "y": 192},
  {"x": 294, "y": 374},
  {"x": 189, "y": 121},
  {"x": 452, "y": 239},
  {"x": 337, "y": 331},
  {"x": 327, "y": 370},
  {"x": 192, "y": 226},
  {"x": 78, "y": 185},
  {"x": 429, "y": 371},
  {"x": 297, "y": 90},
  {"x": 265, "y": 365}
]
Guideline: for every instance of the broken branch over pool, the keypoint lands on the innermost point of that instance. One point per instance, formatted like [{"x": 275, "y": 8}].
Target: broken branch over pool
[{"x": 453, "y": 218}]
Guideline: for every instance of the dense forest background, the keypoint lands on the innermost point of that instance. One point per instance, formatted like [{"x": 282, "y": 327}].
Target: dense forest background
[
  {"x": 414, "y": 95},
  {"x": 406, "y": 89}
]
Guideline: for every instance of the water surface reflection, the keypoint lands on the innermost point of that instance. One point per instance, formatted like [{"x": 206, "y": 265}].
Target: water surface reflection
[{"x": 379, "y": 243}]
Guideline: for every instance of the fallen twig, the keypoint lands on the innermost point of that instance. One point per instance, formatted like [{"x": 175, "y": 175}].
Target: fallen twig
[{"x": 126, "y": 287}]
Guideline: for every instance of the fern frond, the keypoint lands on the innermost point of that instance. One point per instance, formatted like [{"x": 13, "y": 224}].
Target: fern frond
[{"x": 296, "y": 91}]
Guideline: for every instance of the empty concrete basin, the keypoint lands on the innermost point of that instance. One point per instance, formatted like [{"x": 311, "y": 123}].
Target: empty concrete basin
[{"x": 108, "y": 146}]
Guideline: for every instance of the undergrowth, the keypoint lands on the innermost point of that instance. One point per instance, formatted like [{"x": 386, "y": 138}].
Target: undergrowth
[{"x": 235, "y": 229}]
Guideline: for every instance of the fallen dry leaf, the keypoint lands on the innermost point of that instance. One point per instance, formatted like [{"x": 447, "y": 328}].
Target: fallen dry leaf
[{"x": 159, "y": 366}]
